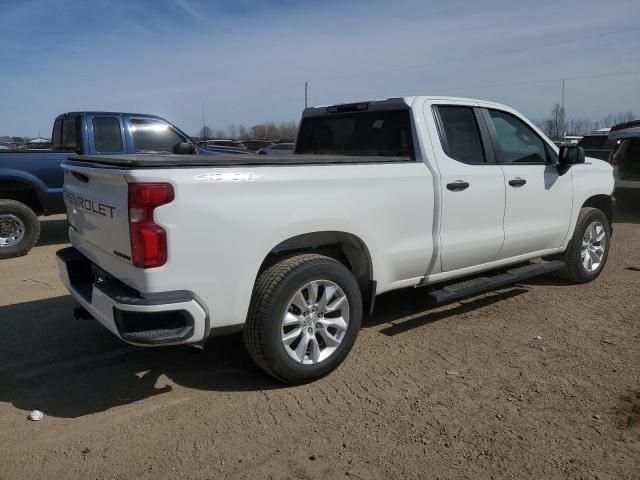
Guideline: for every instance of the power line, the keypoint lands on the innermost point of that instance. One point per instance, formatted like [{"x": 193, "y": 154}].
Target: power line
[
  {"x": 550, "y": 80},
  {"x": 488, "y": 55}
]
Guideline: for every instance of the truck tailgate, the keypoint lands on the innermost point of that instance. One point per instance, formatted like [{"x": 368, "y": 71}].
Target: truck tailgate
[{"x": 97, "y": 207}]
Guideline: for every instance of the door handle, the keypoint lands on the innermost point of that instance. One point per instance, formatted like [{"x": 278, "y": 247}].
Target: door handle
[
  {"x": 457, "y": 186},
  {"x": 517, "y": 182}
]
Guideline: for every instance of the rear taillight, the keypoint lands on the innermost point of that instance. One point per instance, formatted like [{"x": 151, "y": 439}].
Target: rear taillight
[
  {"x": 148, "y": 240},
  {"x": 615, "y": 161}
]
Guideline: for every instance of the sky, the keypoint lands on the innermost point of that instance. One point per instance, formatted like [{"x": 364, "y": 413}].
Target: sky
[{"x": 246, "y": 61}]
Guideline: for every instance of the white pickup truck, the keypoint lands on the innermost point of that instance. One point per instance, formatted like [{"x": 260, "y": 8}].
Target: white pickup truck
[{"x": 454, "y": 195}]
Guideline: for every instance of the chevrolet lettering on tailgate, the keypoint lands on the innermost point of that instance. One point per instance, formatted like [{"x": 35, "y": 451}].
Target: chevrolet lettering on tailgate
[{"x": 88, "y": 205}]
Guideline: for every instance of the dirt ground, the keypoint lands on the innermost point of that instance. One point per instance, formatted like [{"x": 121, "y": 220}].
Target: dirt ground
[{"x": 539, "y": 380}]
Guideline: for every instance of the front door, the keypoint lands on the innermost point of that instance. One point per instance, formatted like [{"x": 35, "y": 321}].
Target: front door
[
  {"x": 539, "y": 199},
  {"x": 472, "y": 189}
]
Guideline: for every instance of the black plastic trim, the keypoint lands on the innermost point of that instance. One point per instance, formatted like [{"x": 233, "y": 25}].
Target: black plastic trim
[
  {"x": 493, "y": 280},
  {"x": 82, "y": 275},
  {"x": 227, "y": 330},
  {"x": 222, "y": 161},
  {"x": 126, "y": 295},
  {"x": 128, "y": 324}
]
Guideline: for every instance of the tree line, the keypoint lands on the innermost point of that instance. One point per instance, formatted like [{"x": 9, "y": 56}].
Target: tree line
[
  {"x": 556, "y": 125},
  {"x": 266, "y": 130}
]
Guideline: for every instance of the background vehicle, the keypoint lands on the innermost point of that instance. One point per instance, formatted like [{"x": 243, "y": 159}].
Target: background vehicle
[
  {"x": 278, "y": 149},
  {"x": 404, "y": 192},
  {"x": 8, "y": 146},
  {"x": 255, "y": 145},
  {"x": 229, "y": 146},
  {"x": 31, "y": 181},
  {"x": 598, "y": 145},
  {"x": 38, "y": 144},
  {"x": 626, "y": 163}
]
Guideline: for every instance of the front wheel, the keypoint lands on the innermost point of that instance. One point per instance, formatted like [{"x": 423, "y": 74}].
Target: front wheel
[
  {"x": 304, "y": 317},
  {"x": 588, "y": 249},
  {"x": 19, "y": 229}
]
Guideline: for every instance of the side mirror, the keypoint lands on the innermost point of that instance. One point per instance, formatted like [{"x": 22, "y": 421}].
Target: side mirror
[
  {"x": 184, "y": 148},
  {"x": 570, "y": 155}
]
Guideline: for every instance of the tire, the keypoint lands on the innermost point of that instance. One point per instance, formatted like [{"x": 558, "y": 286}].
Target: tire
[
  {"x": 19, "y": 229},
  {"x": 575, "y": 270},
  {"x": 272, "y": 300}
]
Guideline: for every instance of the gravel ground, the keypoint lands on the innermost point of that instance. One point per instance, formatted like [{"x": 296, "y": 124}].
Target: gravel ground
[{"x": 539, "y": 380}]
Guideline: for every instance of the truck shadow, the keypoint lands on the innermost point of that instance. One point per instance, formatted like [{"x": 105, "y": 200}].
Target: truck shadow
[
  {"x": 53, "y": 231},
  {"x": 406, "y": 310},
  {"x": 70, "y": 368}
]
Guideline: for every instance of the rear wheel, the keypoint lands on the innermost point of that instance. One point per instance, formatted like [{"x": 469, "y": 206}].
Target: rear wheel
[
  {"x": 304, "y": 317},
  {"x": 19, "y": 229},
  {"x": 588, "y": 249}
]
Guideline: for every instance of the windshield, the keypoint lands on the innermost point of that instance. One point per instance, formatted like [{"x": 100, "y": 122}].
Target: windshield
[{"x": 385, "y": 133}]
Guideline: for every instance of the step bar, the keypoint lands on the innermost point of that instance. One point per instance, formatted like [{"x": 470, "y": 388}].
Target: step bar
[{"x": 466, "y": 288}]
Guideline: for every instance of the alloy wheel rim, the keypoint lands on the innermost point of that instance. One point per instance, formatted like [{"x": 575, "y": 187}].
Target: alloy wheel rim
[
  {"x": 594, "y": 244},
  {"x": 315, "y": 322},
  {"x": 12, "y": 230}
]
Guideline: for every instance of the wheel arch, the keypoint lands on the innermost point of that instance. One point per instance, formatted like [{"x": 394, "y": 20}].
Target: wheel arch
[
  {"x": 23, "y": 191},
  {"x": 603, "y": 203},
  {"x": 346, "y": 248}
]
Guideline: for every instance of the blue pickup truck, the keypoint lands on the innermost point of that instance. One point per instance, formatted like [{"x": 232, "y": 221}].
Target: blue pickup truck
[{"x": 31, "y": 181}]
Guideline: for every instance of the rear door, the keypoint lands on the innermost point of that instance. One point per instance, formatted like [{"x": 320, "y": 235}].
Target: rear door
[
  {"x": 539, "y": 200},
  {"x": 472, "y": 187}
]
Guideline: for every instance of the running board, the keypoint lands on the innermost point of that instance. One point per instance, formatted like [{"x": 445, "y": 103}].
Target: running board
[{"x": 480, "y": 284}]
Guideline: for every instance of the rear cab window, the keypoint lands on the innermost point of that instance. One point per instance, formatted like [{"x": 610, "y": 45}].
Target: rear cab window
[
  {"x": 65, "y": 133},
  {"x": 107, "y": 135},
  {"x": 383, "y": 133}
]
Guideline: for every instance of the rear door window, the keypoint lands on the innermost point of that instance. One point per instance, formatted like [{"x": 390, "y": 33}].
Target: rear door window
[
  {"x": 384, "y": 133},
  {"x": 107, "y": 135},
  {"x": 459, "y": 134},
  {"x": 151, "y": 135}
]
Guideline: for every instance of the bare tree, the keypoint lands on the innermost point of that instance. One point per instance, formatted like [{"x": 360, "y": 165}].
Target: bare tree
[{"x": 204, "y": 132}]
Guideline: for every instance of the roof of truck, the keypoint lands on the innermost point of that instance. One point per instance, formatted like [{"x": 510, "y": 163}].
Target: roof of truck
[
  {"x": 100, "y": 112},
  {"x": 408, "y": 101}
]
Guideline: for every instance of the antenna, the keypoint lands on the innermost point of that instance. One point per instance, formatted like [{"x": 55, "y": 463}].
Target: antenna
[{"x": 306, "y": 94}]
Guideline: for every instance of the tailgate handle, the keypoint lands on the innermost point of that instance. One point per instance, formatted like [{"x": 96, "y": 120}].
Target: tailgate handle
[{"x": 81, "y": 177}]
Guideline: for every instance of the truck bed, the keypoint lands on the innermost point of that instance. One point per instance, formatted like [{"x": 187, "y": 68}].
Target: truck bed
[{"x": 183, "y": 161}]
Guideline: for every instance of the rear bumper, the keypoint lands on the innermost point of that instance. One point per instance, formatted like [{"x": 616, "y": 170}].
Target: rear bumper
[{"x": 167, "y": 318}]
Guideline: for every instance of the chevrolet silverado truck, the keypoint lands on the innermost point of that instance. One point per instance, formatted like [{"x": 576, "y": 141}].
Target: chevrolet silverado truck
[
  {"x": 31, "y": 181},
  {"x": 452, "y": 195}
]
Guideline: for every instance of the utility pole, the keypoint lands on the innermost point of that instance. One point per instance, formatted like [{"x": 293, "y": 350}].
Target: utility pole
[
  {"x": 204, "y": 125},
  {"x": 564, "y": 115},
  {"x": 306, "y": 94}
]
